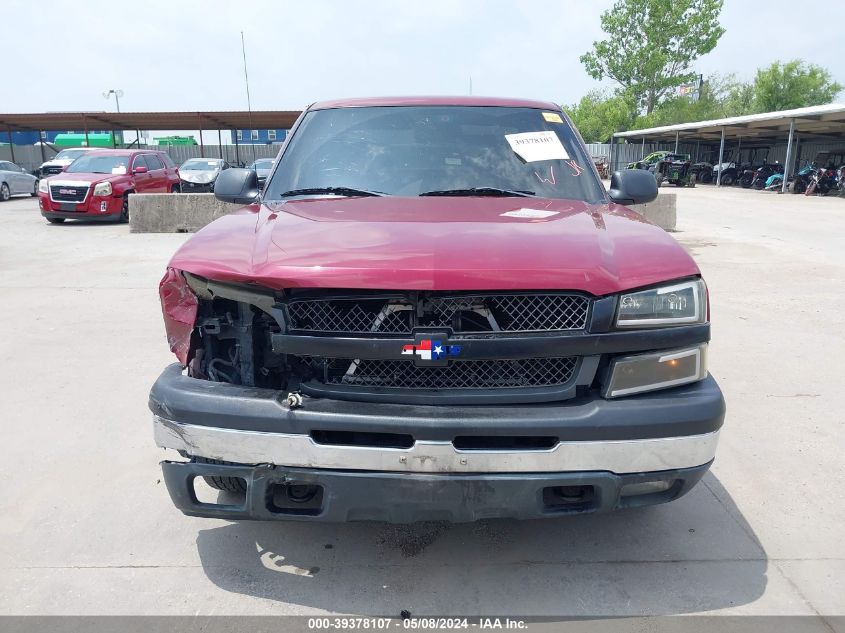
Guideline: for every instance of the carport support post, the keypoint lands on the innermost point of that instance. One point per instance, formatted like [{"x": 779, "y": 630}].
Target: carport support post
[
  {"x": 612, "y": 151},
  {"x": 788, "y": 156},
  {"x": 220, "y": 142},
  {"x": 677, "y": 138},
  {"x": 721, "y": 158},
  {"x": 237, "y": 151},
  {"x": 11, "y": 145},
  {"x": 202, "y": 147},
  {"x": 642, "y": 151},
  {"x": 41, "y": 136}
]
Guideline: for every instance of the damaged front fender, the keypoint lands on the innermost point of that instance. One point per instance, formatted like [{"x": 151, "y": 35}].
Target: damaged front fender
[{"x": 179, "y": 307}]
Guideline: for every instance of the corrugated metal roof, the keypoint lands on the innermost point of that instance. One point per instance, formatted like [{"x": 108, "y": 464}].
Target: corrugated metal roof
[
  {"x": 234, "y": 120},
  {"x": 824, "y": 120}
]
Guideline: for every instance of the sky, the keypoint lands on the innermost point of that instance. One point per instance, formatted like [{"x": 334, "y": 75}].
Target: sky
[{"x": 174, "y": 55}]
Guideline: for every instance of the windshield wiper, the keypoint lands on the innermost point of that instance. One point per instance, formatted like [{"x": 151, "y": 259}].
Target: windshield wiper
[
  {"x": 481, "y": 191},
  {"x": 341, "y": 191}
]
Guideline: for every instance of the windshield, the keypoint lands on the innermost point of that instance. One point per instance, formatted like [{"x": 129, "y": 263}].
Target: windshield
[
  {"x": 69, "y": 154},
  {"x": 409, "y": 151},
  {"x": 99, "y": 164},
  {"x": 200, "y": 164},
  {"x": 262, "y": 164}
]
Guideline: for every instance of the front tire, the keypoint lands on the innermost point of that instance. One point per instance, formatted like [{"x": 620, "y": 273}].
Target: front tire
[
  {"x": 124, "y": 210},
  {"x": 5, "y": 192},
  {"x": 229, "y": 484},
  {"x": 34, "y": 193},
  {"x": 176, "y": 189},
  {"x": 727, "y": 180}
]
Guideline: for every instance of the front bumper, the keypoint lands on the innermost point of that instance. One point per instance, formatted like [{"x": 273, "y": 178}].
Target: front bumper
[
  {"x": 196, "y": 187},
  {"x": 414, "y": 461},
  {"x": 92, "y": 208},
  {"x": 337, "y": 496}
]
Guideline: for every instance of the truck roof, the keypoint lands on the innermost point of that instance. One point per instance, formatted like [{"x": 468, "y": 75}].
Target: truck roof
[{"x": 434, "y": 101}]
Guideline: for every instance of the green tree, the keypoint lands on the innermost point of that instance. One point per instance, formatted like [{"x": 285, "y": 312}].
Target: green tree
[
  {"x": 652, "y": 44},
  {"x": 794, "y": 84},
  {"x": 599, "y": 114},
  {"x": 719, "y": 97}
]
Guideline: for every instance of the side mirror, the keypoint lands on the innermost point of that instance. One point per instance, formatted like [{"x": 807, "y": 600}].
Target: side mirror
[
  {"x": 140, "y": 170},
  {"x": 632, "y": 186},
  {"x": 238, "y": 186}
]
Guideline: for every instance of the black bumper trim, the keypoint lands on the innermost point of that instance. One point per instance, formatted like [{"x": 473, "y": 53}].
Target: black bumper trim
[
  {"x": 487, "y": 346},
  {"x": 406, "y": 498},
  {"x": 693, "y": 409}
]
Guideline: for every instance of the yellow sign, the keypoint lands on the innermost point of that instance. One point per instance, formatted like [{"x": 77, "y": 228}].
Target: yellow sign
[{"x": 552, "y": 117}]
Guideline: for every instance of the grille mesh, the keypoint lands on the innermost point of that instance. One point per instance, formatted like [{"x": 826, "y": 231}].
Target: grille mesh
[
  {"x": 477, "y": 313},
  {"x": 459, "y": 374}
]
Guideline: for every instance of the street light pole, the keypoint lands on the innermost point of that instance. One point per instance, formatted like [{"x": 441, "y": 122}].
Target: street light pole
[{"x": 117, "y": 95}]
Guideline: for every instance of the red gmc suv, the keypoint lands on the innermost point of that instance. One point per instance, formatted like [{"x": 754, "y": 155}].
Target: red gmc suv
[
  {"x": 434, "y": 310},
  {"x": 96, "y": 186}
]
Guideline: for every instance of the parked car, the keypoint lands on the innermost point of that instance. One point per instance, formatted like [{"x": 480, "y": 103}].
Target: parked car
[
  {"x": 97, "y": 186},
  {"x": 262, "y": 168},
  {"x": 198, "y": 174},
  {"x": 15, "y": 180},
  {"x": 434, "y": 310},
  {"x": 57, "y": 164}
]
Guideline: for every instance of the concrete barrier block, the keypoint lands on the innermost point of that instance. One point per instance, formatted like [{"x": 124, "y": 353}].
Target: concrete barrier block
[
  {"x": 662, "y": 210},
  {"x": 175, "y": 213},
  {"x": 189, "y": 212}
]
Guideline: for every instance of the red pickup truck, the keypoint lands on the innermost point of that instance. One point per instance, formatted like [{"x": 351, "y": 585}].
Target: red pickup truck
[
  {"x": 434, "y": 310},
  {"x": 97, "y": 185}
]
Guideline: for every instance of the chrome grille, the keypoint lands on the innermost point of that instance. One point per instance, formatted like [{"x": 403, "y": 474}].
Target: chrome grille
[
  {"x": 68, "y": 193},
  {"x": 52, "y": 170},
  {"x": 459, "y": 374},
  {"x": 461, "y": 313}
]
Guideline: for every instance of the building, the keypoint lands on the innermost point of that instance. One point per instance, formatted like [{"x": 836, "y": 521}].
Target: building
[
  {"x": 260, "y": 137},
  {"x": 32, "y": 137}
]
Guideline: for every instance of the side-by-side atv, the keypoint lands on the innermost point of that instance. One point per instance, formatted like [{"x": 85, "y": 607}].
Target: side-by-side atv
[{"x": 676, "y": 170}]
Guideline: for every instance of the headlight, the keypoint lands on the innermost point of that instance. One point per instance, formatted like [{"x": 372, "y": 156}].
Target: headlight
[
  {"x": 43, "y": 187},
  {"x": 660, "y": 370},
  {"x": 678, "y": 304},
  {"x": 102, "y": 189}
]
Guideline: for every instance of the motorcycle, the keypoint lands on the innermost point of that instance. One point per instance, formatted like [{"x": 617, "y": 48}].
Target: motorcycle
[
  {"x": 802, "y": 179},
  {"x": 821, "y": 182},
  {"x": 763, "y": 174}
]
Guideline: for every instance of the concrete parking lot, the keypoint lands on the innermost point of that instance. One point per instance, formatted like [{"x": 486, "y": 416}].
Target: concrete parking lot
[{"x": 88, "y": 528}]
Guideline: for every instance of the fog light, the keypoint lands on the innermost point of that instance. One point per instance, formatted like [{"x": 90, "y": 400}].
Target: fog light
[
  {"x": 645, "y": 488},
  {"x": 647, "y": 372}
]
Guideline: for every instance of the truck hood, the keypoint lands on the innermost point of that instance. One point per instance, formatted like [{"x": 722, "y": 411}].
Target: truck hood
[
  {"x": 83, "y": 178},
  {"x": 199, "y": 176},
  {"x": 62, "y": 162},
  {"x": 434, "y": 243}
]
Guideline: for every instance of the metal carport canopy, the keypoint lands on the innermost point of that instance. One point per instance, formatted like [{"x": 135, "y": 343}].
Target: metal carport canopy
[
  {"x": 231, "y": 120},
  {"x": 824, "y": 120},
  {"x": 815, "y": 121}
]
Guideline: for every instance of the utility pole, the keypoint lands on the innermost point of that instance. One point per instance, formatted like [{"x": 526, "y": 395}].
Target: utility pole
[{"x": 248, "y": 102}]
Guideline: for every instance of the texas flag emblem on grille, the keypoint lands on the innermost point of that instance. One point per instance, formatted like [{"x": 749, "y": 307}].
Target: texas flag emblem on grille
[{"x": 428, "y": 349}]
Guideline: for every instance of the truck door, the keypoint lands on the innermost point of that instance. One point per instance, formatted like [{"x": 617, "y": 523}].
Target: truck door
[{"x": 158, "y": 174}]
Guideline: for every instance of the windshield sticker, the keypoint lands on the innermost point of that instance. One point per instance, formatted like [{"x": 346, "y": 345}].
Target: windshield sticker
[
  {"x": 534, "y": 146},
  {"x": 531, "y": 214},
  {"x": 551, "y": 179},
  {"x": 120, "y": 170},
  {"x": 552, "y": 117}
]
